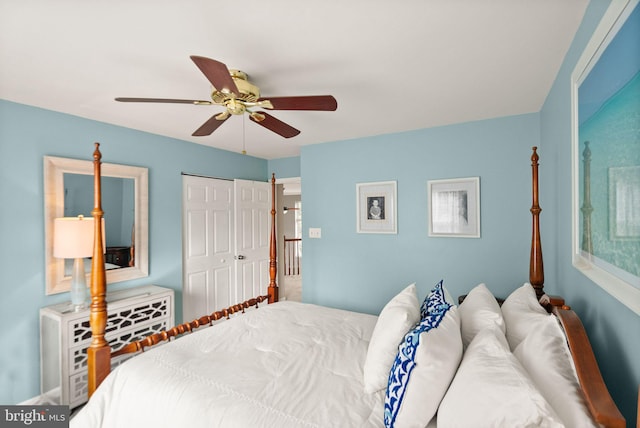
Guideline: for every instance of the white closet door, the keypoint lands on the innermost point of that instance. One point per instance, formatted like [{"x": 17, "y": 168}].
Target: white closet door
[
  {"x": 208, "y": 246},
  {"x": 252, "y": 222}
]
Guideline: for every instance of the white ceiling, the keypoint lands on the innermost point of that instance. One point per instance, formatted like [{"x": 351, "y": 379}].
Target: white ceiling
[{"x": 392, "y": 65}]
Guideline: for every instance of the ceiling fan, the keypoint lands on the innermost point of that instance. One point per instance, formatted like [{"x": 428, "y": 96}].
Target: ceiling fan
[{"x": 232, "y": 90}]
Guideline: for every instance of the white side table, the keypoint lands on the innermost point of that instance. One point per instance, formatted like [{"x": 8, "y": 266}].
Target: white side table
[{"x": 65, "y": 336}]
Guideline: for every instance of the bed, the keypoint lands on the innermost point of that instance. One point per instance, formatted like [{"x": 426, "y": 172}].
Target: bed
[{"x": 431, "y": 362}]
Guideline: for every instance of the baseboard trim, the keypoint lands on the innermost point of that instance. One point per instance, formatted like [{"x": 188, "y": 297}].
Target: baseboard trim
[
  {"x": 31, "y": 401},
  {"x": 51, "y": 397}
]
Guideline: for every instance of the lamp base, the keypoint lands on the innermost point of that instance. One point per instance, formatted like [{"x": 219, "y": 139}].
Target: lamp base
[{"x": 78, "y": 286}]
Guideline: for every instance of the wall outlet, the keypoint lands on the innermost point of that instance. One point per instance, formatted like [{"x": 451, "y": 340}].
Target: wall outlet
[{"x": 315, "y": 232}]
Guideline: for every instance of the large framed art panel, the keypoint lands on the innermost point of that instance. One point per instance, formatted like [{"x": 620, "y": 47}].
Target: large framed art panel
[{"x": 606, "y": 155}]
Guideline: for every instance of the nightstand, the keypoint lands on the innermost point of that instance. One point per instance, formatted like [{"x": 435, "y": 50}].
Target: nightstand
[{"x": 65, "y": 336}]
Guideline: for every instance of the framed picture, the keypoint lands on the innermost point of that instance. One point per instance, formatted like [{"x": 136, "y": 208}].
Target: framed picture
[
  {"x": 605, "y": 86},
  {"x": 376, "y": 207},
  {"x": 454, "y": 207}
]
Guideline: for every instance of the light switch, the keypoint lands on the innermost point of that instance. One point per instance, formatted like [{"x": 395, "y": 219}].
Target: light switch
[{"x": 315, "y": 232}]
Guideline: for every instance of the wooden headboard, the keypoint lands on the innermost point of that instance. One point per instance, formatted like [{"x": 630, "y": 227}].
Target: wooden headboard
[{"x": 599, "y": 401}]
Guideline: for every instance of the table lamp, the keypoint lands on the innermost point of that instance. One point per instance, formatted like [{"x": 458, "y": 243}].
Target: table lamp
[{"x": 73, "y": 239}]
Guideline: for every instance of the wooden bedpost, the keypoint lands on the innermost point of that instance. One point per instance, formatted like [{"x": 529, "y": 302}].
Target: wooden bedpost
[
  {"x": 99, "y": 352},
  {"x": 536, "y": 268},
  {"x": 272, "y": 291}
]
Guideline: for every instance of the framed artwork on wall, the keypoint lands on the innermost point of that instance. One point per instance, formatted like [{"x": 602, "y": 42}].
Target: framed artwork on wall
[
  {"x": 454, "y": 207},
  {"x": 376, "y": 207},
  {"x": 605, "y": 88}
]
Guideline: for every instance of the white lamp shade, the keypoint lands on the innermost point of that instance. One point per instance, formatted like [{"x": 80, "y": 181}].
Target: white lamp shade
[{"x": 73, "y": 237}]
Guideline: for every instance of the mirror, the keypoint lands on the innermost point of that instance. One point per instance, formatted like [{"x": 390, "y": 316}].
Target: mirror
[{"x": 68, "y": 185}]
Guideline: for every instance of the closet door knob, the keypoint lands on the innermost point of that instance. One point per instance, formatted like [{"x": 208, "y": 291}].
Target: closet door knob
[{"x": 239, "y": 257}]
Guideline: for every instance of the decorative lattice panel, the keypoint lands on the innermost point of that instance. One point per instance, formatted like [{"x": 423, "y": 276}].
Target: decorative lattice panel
[
  {"x": 124, "y": 318},
  {"x": 78, "y": 389},
  {"x": 65, "y": 336},
  {"x": 78, "y": 355},
  {"x": 124, "y": 325}
]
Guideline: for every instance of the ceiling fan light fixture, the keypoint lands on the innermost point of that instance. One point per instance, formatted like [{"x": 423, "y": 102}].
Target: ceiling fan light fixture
[
  {"x": 235, "y": 106},
  {"x": 232, "y": 90},
  {"x": 258, "y": 117},
  {"x": 248, "y": 91},
  {"x": 219, "y": 97},
  {"x": 264, "y": 104},
  {"x": 222, "y": 116}
]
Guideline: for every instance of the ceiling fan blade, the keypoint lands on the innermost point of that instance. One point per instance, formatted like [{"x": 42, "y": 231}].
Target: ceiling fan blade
[
  {"x": 217, "y": 73},
  {"x": 273, "y": 124},
  {"x": 309, "y": 102},
  {"x": 210, "y": 125},
  {"x": 162, "y": 100}
]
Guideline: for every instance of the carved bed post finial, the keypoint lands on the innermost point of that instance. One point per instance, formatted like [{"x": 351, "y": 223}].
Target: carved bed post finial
[
  {"x": 536, "y": 268},
  {"x": 272, "y": 290},
  {"x": 99, "y": 352}
]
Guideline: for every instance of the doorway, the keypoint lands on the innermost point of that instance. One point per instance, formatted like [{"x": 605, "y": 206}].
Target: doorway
[{"x": 289, "y": 227}]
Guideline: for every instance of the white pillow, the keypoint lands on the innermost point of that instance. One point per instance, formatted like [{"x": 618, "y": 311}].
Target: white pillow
[
  {"x": 492, "y": 389},
  {"x": 545, "y": 355},
  {"x": 478, "y": 311},
  {"x": 427, "y": 361},
  {"x": 448, "y": 297},
  {"x": 521, "y": 311},
  {"x": 398, "y": 316}
]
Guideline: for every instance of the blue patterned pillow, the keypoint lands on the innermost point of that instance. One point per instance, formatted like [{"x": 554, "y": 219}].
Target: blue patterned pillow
[
  {"x": 434, "y": 301},
  {"x": 425, "y": 364}
]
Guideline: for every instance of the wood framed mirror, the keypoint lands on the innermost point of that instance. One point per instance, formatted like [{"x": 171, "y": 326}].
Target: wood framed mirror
[{"x": 68, "y": 192}]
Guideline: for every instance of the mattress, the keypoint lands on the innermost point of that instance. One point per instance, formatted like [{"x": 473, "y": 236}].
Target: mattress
[{"x": 287, "y": 364}]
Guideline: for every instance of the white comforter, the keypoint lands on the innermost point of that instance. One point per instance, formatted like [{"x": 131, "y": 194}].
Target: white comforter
[{"x": 284, "y": 365}]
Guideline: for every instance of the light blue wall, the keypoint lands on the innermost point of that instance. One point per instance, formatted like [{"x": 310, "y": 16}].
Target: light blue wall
[
  {"x": 353, "y": 271},
  {"x": 613, "y": 329},
  {"x": 26, "y": 135},
  {"x": 285, "y": 167},
  {"x": 362, "y": 271}
]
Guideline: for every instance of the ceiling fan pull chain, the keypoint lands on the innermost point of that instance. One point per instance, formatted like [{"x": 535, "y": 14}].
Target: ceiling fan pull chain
[{"x": 244, "y": 148}]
